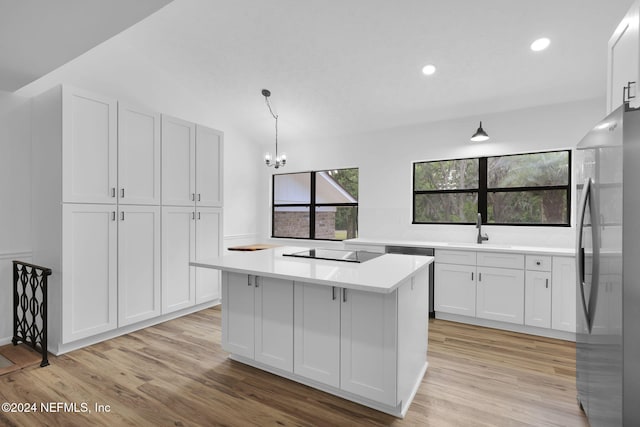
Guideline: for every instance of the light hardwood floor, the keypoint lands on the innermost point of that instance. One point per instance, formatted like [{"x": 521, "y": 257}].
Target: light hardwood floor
[{"x": 176, "y": 374}]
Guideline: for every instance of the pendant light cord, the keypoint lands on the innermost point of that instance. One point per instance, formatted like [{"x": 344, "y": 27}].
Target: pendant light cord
[{"x": 275, "y": 116}]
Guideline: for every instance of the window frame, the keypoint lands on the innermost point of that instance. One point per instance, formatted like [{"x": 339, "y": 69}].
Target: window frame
[
  {"x": 483, "y": 191},
  {"x": 312, "y": 205}
]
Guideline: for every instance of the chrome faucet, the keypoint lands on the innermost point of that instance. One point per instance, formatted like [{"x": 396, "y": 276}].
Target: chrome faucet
[{"x": 481, "y": 238}]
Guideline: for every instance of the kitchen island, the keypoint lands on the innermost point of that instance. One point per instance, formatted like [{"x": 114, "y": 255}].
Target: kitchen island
[{"x": 355, "y": 330}]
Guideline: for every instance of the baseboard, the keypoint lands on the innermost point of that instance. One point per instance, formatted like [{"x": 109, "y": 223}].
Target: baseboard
[
  {"x": 58, "y": 348},
  {"x": 512, "y": 327}
]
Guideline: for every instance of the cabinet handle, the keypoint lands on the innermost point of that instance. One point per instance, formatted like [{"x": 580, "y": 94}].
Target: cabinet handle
[
  {"x": 199, "y": 196},
  {"x": 626, "y": 92},
  {"x": 113, "y": 215},
  {"x": 113, "y": 191},
  {"x": 344, "y": 294},
  {"x": 193, "y": 215},
  {"x": 121, "y": 216},
  {"x": 333, "y": 293},
  {"x": 193, "y": 197},
  {"x": 471, "y": 275},
  {"x": 199, "y": 216},
  {"x": 256, "y": 281},
  {"x": 537, "y": 262},
  {"x": 122, "y": 193},
  {"x": 547, "y": 283},
  {"x": 479, "y": 277},
  {"x": 249, "y": 281}
]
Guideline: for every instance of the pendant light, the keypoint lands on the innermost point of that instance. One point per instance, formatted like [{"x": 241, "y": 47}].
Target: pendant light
[
  {"x": 280, "y": 159},
  {"x": 480, "y": 135}
]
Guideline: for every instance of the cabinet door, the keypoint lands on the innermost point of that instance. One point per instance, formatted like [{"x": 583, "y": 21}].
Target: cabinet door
[
  {"x": 537, "y": 308},
  {"x": 138, "y": 263},
  {"x": 89, "y": 265},
  {"x": 238, "y": 314},
  {"x": 455, "y": 289},
  {"x": 178, "y": 162},
  {"x": 368, "y": 345},
  {"x": 274, "y": 322},
  {"x": 178, "y": 243},
  {"x": 622, "y": 66},
  {"x": 500, "y": 294},
  {"x": 317, "y": 333},
  {"x": 209, "y": 158},
  {"x": 89, "y": 147},
  {"x": 208, "y": 245},
  {"x": 138, "y": 156},
  {"x": 563, "y": 294}
]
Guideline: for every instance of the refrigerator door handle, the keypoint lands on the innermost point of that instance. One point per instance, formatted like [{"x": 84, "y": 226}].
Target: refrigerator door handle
[{"x": 580, "y": 250}]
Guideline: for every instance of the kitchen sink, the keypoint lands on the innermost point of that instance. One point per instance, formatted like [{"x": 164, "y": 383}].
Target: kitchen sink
[{"x": 480, "y": 245}]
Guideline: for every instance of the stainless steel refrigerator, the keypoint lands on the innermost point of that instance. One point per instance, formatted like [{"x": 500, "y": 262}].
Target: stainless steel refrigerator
[{"x": 608, "y": 271}]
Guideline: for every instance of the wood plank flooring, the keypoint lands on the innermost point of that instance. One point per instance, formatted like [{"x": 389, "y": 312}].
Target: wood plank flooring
[{"x": 176, "y": 374}]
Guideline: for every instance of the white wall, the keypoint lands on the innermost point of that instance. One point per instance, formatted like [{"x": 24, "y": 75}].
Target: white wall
[
  {"x": 385, "y": 163},
  {"x": 15, "y": 191}
]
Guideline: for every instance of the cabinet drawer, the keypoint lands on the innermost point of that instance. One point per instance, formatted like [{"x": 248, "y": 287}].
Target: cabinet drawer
[
  {"x": 500, "y": 259},
  {"x": 455, "y": 257},
  {"x": 538, "y": 262}
]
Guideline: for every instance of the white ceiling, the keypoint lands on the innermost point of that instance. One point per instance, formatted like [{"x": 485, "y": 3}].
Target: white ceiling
[
  {"x": 342, "y": 66},
  {"x": 38, "y": 36}
]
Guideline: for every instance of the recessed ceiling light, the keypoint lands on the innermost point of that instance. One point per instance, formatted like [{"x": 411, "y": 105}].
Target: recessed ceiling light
[
  {"x": 540, "y": 44},
  {"x": 428, "y": 70}
]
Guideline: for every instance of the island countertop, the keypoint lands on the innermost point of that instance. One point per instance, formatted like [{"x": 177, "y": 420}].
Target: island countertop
[{"x": 382, "y": 274}]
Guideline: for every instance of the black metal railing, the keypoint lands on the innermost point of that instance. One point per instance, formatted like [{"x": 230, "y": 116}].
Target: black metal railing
[{"x": 30, "y": 306}]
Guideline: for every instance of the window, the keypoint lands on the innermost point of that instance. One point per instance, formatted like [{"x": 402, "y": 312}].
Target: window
[
  {"x": 319, "y": 205},
  {"x": 521, "y": 189}
]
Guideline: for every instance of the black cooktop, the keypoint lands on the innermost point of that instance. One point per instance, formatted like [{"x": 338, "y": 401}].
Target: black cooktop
[{"x": 336, "y": 255}]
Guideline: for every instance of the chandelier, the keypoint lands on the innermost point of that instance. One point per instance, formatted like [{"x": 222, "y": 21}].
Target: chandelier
[{"x": 280, "y": 159}]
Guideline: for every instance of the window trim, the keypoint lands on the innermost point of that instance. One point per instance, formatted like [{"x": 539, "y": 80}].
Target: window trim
[
  {"x": 312, "y": 205},
  {"x": 483, "y": 190}
]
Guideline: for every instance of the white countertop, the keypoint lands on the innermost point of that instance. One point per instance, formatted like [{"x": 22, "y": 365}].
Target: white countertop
[
  {"x": 490, "y": 247},
  {"x": 382, "y": 274}
]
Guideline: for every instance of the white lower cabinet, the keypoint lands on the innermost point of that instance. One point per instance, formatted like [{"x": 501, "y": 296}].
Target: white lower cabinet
[
  {"x": 89, "y": 268},
  {"x": 178, "y": 243},
  {"x": 207, "y": 240},
  {"x": 366, "y": 344},
  {"x": 456, "y": 289},
  {"x": 138, "y": 263},
  {"x": 347, "y": 339},
  {"x": 563, "y": 294},
  {"x": 500, "y": 294},
  {"x": 525, "y": 289},
  {"x": 368, "y": 334},
  {"x": 258, "y": 320},
  {"x": 537, "y": 310},
  {"x": 274, "y": 322},
  {"x": 317, "y": 333},
  {"x": 189, "y": 234}
]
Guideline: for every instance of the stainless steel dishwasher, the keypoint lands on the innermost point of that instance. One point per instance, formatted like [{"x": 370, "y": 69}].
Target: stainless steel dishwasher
[{"x": 413, "y": 250}]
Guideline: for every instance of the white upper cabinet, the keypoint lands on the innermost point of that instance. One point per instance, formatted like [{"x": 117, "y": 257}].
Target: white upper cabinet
[
  {"x": 89, "y": 147},
  {"x": 178, "y": 162},
  {"x": 138, "y": 156},
  {"x": 209, "y": 158},
  {"x": 191, "y": 164},
  {"x": 624, "y": 60}
]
